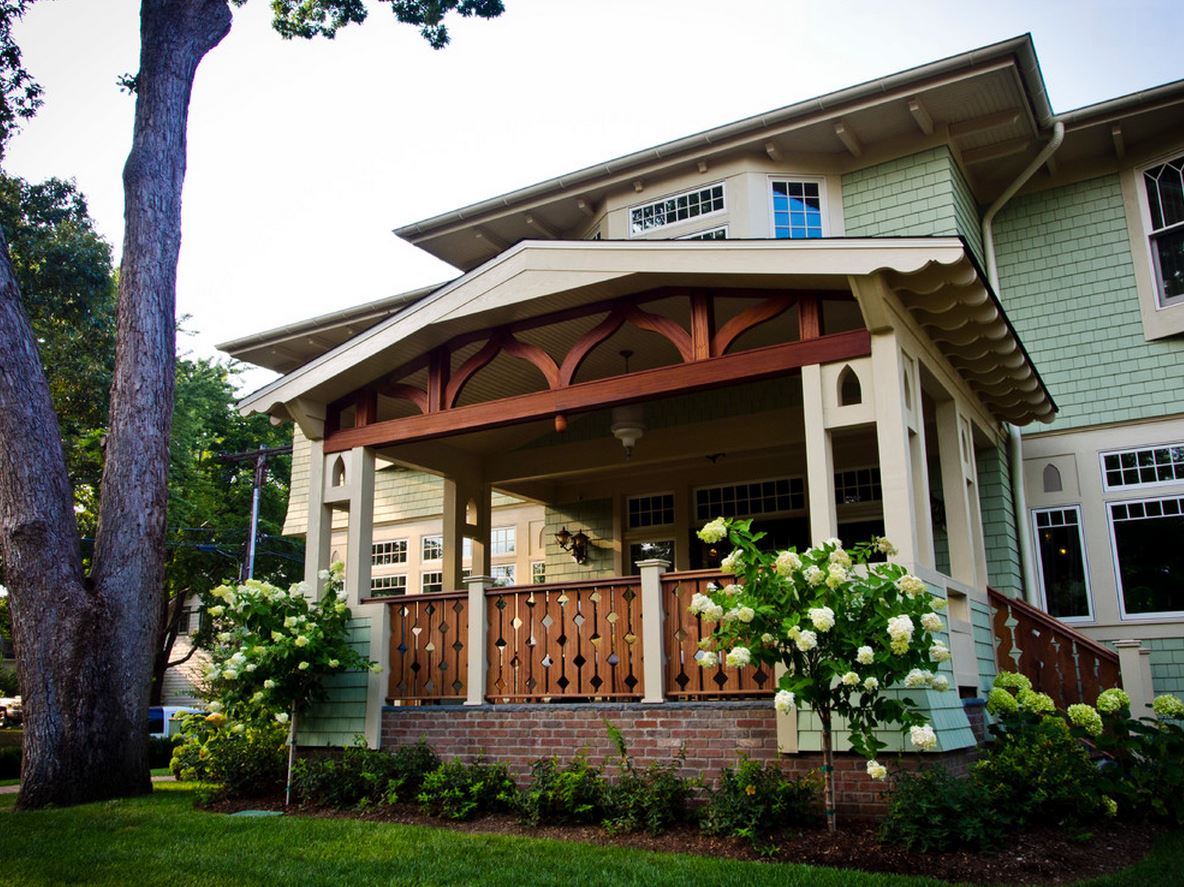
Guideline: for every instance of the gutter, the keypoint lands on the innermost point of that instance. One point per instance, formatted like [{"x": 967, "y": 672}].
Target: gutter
[{"x": 1015, "y": 456}]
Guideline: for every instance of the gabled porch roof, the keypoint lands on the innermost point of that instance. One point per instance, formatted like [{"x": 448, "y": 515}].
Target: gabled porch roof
[{"x": 934, "y": 281}]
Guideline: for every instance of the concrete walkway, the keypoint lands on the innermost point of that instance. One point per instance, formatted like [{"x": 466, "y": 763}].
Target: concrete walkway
[{"x": 13, "y": 789}]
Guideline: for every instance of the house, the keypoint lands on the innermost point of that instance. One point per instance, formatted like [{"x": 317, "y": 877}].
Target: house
[{"x": 926, "y": 306}]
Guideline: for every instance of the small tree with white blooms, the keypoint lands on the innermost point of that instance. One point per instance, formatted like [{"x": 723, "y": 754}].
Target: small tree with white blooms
[{"x": 845, "y": 628}]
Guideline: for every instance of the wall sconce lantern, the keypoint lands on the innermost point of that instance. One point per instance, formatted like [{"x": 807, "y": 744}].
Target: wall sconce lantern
[{"x": 574, "y": 543}]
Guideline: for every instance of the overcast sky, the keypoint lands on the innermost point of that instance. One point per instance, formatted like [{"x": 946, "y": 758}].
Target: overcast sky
[{"x": 304, "y": 155}]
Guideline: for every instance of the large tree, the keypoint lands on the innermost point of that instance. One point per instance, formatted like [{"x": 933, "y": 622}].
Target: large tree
[{"x": 87, "y": 638}]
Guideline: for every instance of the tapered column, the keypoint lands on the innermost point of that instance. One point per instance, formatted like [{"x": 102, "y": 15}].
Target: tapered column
[
  {"x": 820, "y": 462},
  {"x": 318, "y": 535},
  {"x": 360, "y": 541},
  {"x": 653, "y": 621},
  {"x": 954, "y": 449},
  {"x": 479, "y": 527},
  {"x": 478, "y": 639},
  {"x": 455, "y": 506},
  {"x": 895, "y": 450}
]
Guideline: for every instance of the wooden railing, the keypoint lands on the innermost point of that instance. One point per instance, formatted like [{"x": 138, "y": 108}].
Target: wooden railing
[
  {"x": 1058, "y": 660},
  {"x": 573, "y": 640},
  {"x": 429, "y": 647},
  {"x": 685, "y": 678}
]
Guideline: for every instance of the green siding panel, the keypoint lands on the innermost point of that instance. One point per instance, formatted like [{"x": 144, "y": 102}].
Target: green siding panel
[
  {"x": 999, "y": 535},
  {"x": 1167, "y": 665},
  {"x": 1067, "y": 282},
  {"x": 341, "y": 716}
]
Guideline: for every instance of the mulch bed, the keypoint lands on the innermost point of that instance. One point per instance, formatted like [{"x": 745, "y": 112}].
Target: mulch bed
[{"x": 1034, "y": 857}]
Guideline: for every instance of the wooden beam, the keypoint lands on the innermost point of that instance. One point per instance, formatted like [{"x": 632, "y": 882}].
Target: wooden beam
[
  {"x": 809, "y": 317},
  {"x": 439, "y": 369},
  {"x": 366, "y": 406},
  {"x": 539, "y": 225},
  {"x": 586, "y": 208},
  {"x": 921, "y": 115},
  {"x": 1119, "y": 141},
  {"x": 702, "y": 325},
  {"x": 848, "y": 138},
  {"x": 773, "y": 151},
  {"x": 493, "y": 240},
  {"x": 750, "y": 318},
  {"x": 994, "y": 152},
  {"x": 759, "y": 363},
  {"x": 983, "y": 123},
  {"x": 638, "y": 185},
  {"x": 701, "y": 165}
]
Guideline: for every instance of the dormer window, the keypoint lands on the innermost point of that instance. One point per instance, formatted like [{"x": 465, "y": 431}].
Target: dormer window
[
  {"x": 1165, "y": 199},
  {"x": 677, "y": 208},
  {"x": 797, "y": 209}
]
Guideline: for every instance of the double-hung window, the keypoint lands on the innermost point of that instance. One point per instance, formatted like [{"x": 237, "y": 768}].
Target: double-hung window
[
  {"x": 1063, "y": 576},
  {"x": 1165, "y": 201}
]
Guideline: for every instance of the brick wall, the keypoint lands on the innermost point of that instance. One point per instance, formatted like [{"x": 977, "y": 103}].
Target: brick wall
[{"x": 713, "y": 734}]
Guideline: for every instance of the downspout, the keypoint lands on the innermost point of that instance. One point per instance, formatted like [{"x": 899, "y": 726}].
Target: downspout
[{"x": 1015, "y": 457}]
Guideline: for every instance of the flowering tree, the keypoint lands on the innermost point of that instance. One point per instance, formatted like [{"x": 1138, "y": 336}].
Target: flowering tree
[{"x": 844, "y": 628}]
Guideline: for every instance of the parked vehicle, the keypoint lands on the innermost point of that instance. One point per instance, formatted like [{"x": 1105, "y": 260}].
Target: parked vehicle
[
  {"x": 11, "y": 712},
  {"x": 165, "y": 720}
]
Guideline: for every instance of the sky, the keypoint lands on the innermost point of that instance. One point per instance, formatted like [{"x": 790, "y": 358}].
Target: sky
[{"x": 303, "y": 155}]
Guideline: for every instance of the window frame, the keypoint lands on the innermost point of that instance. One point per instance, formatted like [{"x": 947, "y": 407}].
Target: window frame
[
  {"x": 375, "y": 554},
  {"x": 509, "y": 571},
  {"x": 389, "y": 590},
  {"x": 790, "y": 512},
  {"x": 685, "y": 192},
  {"x": 434, "y": 538},
  {"x": 823, "y": 203},
  {"x": 1159, "y": 320},
  {"x": 1119, "y": 590},
  {"x": 538, "y": 576},
  {"x": 702, "y": 235},
  {"x": 649, "y": 528},
  {"x": 1152, "y": 233},
  {"x": 512, "y": 529},
  {"x": 1122, "y": 488},
  {"x": 1089, "y": 594},
  {"x": 423, "y": 581}
]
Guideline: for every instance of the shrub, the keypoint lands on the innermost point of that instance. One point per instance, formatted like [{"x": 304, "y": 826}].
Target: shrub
[
  {"x": 1144, "y": 773},
  {"x": 457, "y": 790},
  {"x": 933, "y": 811},
  {"x": 10, "y": 684},
  {"x": 160, "y": 751},
  {"x": 10, "y": 762},
  {"x": 362, "y": 776},
  {"x": 245, "y": 760},
  {"x": 561, "y": 795},
  {"x": 753, "y": 801},
  {"x": 1040, "y": 773},
  {"x": 650, "y": 799}
]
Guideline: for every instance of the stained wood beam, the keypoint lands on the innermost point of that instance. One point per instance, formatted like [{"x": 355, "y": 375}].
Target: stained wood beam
[{"x": 759, "y": 363}]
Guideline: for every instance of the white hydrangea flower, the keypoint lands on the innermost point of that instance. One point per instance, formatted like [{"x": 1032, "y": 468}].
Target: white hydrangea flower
[
  {"x": 282, "y": 717},
  {"x": 939, "y": 653},
  {"x": 323, "y": 575},
  {"x": 304, "y": 665},
  {"x": 941, "y": 683},
  {"x": 910, "y": 585},
  {"x": 224, "y": 637},
  {"x": 865, "y": 656},
  {"x": 836, "y": 575},
  {"x": 876, "y": 770},
  {"x": 931, "y": 622},
  {"x": 301, "y": 641},
  {"x": 707, "y": 658},
  {"x": 850, "y": 679},
  {"x": 698, "y": 602},
  {"x": 814, "y": 576},
  {"x": 269, "y": 684},
  {"x": 823, "y": 618},
  {"x": 251, "y": 666},
  {"x": 711, "y": 612},
  {"x": 839, "y": 556},
  {"x": 238, "y": 728},
  {"x": 833, "y": 540},
  {"x": 938, "y": 603},
  {"x": 738, "y": 657},
  {"x": 731, "y": 615},
  {"x": 290, "y": 622},
  {"x": 783, "y": 701},
  {"x": 714, "y": 531},
  {"x": 216, "y": 611},
  {"x": 871, "y": 684},
  {"x": 786, "y": 563},
  {"x": 731, "y": 562},
  {"x": 918, "y": 677},
  {"x": 884, "y": 546},
  {"x": 806, "y": 641},
  {"x": 376, "y": 668},
  {"x": 216, "y": 706},
  {"x": 746, "y": 614},
  {"x": 768, "y": 640},
  {"x": 277, "y": 636},
  {"x": 333, "y": 663},
  {"x": 732, "y": 589},
  {"x": 229, "y": 674},
  {"x": 923, "y": 737},
  {"x": 900, "y": 631},
  {"x": 258, "y": 697}
]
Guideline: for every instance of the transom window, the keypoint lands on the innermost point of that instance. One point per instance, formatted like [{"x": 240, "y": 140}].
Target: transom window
[
  {"x": 679, "y": 208},
  {"x": 502, "y": 541},
  {"x": 797, "y": 210},
  {"x": 431, "y": 582},
  {"x": 1165, "y": 200},
  {"x": 503, "y": 574},
  {"x": 394, "y": 552},
  {"x": 720, "y": 233},
  {"x": 1142, "y": 467},
  {"x": 651, "y": 511},
  {"x": 1148, "y": 556},
  {"x": 748, "y": 500},
  {"x": 388, "y": 585},
  {"x": 1063, "y": 577},
  {"x": 433, "y": 548},
  {"x": 858, "y": 485}
]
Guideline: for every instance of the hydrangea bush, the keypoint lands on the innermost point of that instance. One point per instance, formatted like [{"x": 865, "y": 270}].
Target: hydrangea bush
[{"x": 846, "y": 629}]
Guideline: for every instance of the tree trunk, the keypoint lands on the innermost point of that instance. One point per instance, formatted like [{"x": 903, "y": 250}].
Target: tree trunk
[
  {"x": 87, "y": 648},
  {"x": 828, "y": 770}
]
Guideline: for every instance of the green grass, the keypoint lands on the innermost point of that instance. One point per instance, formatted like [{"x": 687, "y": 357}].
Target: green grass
[{"x": 162, "y": 837}]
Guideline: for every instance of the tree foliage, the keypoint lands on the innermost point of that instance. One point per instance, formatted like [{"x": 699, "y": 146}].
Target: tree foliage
[{"x": 20, "y": 94}]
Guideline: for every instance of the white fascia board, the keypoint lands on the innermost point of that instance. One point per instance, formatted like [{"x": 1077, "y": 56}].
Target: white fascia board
[{"x": 532, "y": 270}]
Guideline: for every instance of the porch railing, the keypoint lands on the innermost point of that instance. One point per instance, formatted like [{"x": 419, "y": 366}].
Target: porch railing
[
  {"x": 429, "y": 647},
  {"x": 1058, "y": 660}
]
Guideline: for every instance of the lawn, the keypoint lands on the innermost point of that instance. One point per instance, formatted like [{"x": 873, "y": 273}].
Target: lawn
[{"x": 119, "y": 842}]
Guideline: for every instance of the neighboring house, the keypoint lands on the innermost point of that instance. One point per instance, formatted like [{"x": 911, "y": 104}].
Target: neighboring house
[{"x": 794, "y": 318}]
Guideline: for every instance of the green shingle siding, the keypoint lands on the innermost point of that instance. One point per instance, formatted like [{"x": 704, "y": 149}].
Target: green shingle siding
[
  {"x": 1067, "y": 282},
  {"x": 341, "y": 716},
  {"x": 994, "y": 485},
  {"x": 984, "y": 644},
  {"x": 594, "y": 517},
  {"x": 922, "y": 195},
  {"x": 1167, "y": 665}
]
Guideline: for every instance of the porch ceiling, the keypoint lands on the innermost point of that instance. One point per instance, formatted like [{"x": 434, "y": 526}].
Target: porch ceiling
[{"x": 934, "y": 276}]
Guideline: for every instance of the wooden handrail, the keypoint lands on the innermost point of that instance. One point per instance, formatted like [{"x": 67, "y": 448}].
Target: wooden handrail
[{"x": 1053, "y": 624}]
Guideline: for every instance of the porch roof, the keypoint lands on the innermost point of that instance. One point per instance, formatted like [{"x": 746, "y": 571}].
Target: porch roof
[{"x": 935, "y": 278}]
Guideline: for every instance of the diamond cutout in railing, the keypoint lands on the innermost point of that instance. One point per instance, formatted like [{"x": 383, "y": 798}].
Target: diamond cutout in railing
[
  {"x": 613, "y": 659},
  {"x": 548, "y": 621},
  {"x": 531, "y": 683},
  {"x": 612, "y": 618},
  {"x": 430, "y": 609},
  {"x": 402, "y": 648},
  {"x": 443, "y": 628},
  {"x": 457, "y": 686},
  {"x": 457, "y": 646},
  {"x": 579, "y": 661},
  {"x": 515, "y": 662},
  {"x": 682, "y": 680},
  {"x": 596, "y": 681},
  {"x": 415, "y": 667},
  {"x": 443, "y": 665},
  {"x": 720, "y": 679},
  {"x": 579, "y": 619},
  {"x": 760, "y": 677},
  {"x": 430, "y": 647},
  {"x": 499, "y": 684},
  {"x": 563, "y": 682},
  {"x": 594, "y": 597},
  {"x": 516, "y": 623},
  {"x": 563, "y": 599},
  {"x": 458, "y": 607},
  {"x": 500, "y": 643},
  {"x": 630, "y": 681},
  {"x": 680, "y": 634},
  {"x": 429, "y": 685},
  {"x": 416, "y": 631},
  {"x": 561, "y": 640},
  {"x": 628, "y": 595},
  {"x": 547, "y": 662},
  {"x": 630, "y": 638},
  {"x": 501, "y": 603}
]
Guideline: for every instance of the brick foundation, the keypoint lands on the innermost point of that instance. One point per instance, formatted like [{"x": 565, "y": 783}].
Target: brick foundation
[{"x": 713, "y": 734}]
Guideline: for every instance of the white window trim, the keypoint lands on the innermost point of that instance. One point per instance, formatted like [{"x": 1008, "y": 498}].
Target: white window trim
[
  {"x": 694, "y": 504},
  {"x": 374, "y": 553},
  {"x": 513, "y": 529},
  {"x": 1089, "y": 594},
  {"x": 538, "y": 563},
  {"x": 378, "y": 592},
  {"x": 1135, "y": 488},
  {"x": 683, "y": 223},
  {"x": 650, "y": 538},
  {"x": 423, "y": 575},
  {"x": 423, "y": 540},
  {"x": 651, "y": 527},
  {"x": 1159, "y": 321},
  {"x": 1122, "y": 613},
  {"x": 699, "y": 234},
  {"x": 823, "y": 200}
]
